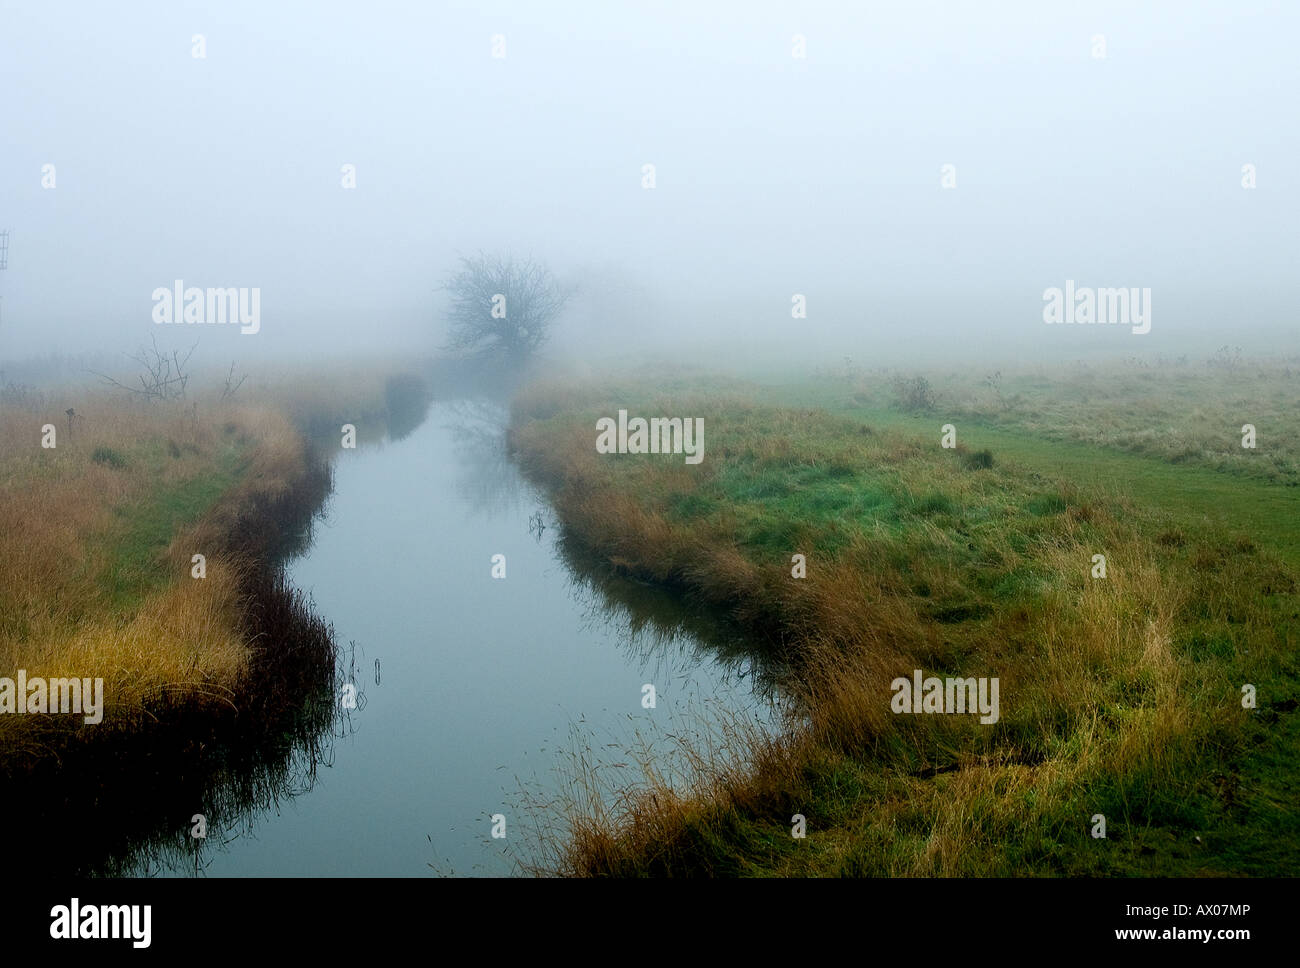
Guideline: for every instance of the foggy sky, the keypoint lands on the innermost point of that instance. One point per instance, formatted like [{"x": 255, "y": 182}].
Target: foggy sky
[{"x": 775, "y": 175}]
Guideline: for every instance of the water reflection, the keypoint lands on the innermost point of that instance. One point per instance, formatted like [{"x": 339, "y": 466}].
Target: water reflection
[
  {"x": 650, "y": 622},
  {"x": 133, "y": 804},
  {"x": 407, "y": 398},
  {"x": 647, "y": 621},
  {"x": 487, "y": 481}
]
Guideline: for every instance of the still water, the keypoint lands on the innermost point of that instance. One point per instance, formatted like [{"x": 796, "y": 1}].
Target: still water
[{"x": 473, "y": 691}]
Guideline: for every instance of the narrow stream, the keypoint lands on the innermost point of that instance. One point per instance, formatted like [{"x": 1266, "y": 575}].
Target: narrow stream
[{"x": 473, "y": 691}]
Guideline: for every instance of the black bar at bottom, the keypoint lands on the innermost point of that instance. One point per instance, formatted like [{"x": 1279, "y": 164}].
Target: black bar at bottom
[{"x": 910, "y": 917}]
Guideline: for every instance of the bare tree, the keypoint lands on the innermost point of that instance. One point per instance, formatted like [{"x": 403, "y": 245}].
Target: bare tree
[
  {"x": 232, "y": 384},
  {"x": 164, "y": 377},
  {"x": 502, "y": 308}
]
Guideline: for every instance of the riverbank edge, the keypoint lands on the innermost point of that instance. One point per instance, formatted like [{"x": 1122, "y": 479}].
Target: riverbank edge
[
  {"x": 663, "y": 835},
  {"x": 261, "y": 519},
  {"x": 251, "y": 530}
]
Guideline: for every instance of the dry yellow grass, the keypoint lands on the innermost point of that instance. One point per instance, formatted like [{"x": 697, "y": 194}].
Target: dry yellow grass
[{"x": 91, "y": 586}]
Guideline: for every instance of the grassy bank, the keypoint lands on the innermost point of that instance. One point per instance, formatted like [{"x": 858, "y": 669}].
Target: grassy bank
[
  {"x": 1120, "y": 696},
  {"x": 99, "y": 533}
]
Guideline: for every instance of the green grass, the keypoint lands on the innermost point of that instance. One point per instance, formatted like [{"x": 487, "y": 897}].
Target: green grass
[
  {"x": 967, "y": 563},
  {"x": 1185, "y": 412},
  {"x": 109, "y": 457},
  {"x": 142, "y": 530},
  {"x": 1196, "y": 495}
]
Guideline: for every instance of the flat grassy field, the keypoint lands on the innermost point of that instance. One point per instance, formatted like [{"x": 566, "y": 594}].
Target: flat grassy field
[
  {"x": 1120, "y": 696},
  {"x": 1223, "y": 484}
]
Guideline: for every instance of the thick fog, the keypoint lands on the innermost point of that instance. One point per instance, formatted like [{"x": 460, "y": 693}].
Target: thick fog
[{"x": 798, "y": 149}]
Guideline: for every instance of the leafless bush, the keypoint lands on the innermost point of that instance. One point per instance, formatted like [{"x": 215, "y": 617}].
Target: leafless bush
[
  {"x": 164, "y": 377},
  {"x": 914, "y": 393},
  {"x": 232, "y": 384}
]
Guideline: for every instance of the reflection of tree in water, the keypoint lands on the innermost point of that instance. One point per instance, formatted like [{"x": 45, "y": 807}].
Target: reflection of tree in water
[{"x": 488, "y": 482}]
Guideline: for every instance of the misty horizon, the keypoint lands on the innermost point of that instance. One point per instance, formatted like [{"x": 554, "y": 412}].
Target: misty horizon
[{"x": 775, "y": 174}]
